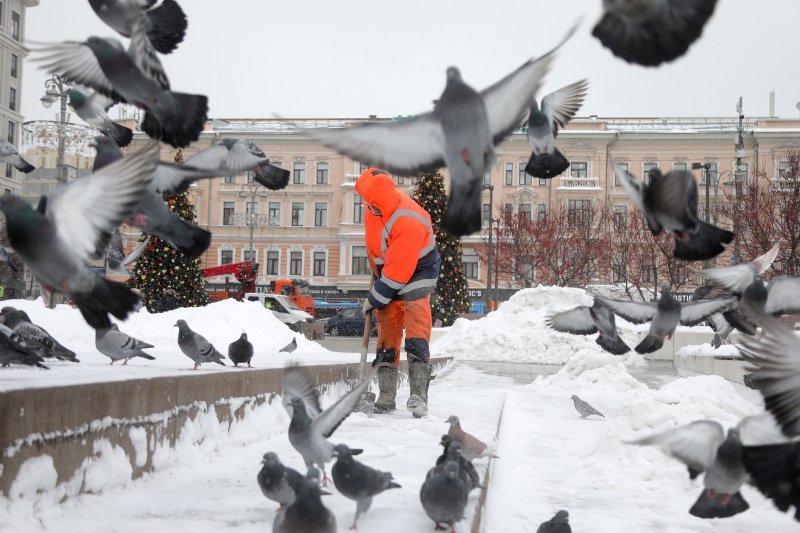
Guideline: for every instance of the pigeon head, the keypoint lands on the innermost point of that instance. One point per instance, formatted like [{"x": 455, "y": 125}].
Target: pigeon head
[
  {"x": 314, "y": 475},
  {"x": 243, "y": 336},
  {"x": 445, "y": 441},
  {"x": 180, "y": 324},
  {"x": 271, "y": 459},
  {"x": 451, "y": 470},
  {"x": 18, "y": 212},
  {"x": 341, "y": 450},
  {"x": 77, "y": 99},
  {"x": 453, "y": 74},
  {"x": 665, "y": 290},
  {"x": 574, "y": 397},
  {"x": 453, "y": 420},
  {"x": 298, "y": 407},
  {"x": 104, "y": 49}
]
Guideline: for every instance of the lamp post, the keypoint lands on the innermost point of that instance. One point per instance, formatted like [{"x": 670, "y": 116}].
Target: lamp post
[
  {"x": 490, "y": 187},
  {"x": 738, "y": 180},
  {"x": 251, "y": 219},
  {"x": 56, "y": 90},
  {"x": 706, "y": 176}
]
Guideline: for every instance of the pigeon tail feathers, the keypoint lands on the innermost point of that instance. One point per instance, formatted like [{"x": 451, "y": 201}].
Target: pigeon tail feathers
[
  {"x": 614, "y": 345},
  {"x": 718, "y": 505},
  {"x": 187, "y": 238},
  {"x": 649, "y": 344},
  {"x": 705, "y": 243},
  {"x": 105, "y": 297},
  {"x": 167, "y": 26},
  {"x": 121, "y": 135},
  {"x": 272, "y": 177},
  {"x": 179, "y": 125},
  {"x": 547, "y": 166},
  {"x": 463, "y": 213}
]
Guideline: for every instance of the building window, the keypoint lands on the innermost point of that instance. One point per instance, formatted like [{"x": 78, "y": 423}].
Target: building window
[
  {"x": 12, "y": 99},
  {"x": 320, "y": 215},
  {"x": 297, "y": 213},
  {"x": 522, "y": 173},
  {"x": 623, "y": 166},
  {"x": 541, "y": 212},
  {"x": 646, "y": 168},
  {"x": 525, "y": 211},
  {"x": 359, "y": 263},
  {"x": 525, "y": 178},
  {"x": 12, "y": 132},
  {"x": 679, "y": 166},
  {"x": 228, "y": 209},
  {"x": 542, "y": 182},
  {"x": 362, "y": 167},
  {"x": 578, "y": 211},
  {"x": 618, "y": 272},
  {"x": 251, "y": 208},
  {"x": 299, "y": 175},
  {"x": 14, "y": 62},
  {"x": 273, "y": 258},
  {"x": 710, "y": 174},
  {"x": 469, "y": 261},
  {"x": 8, "y": 170},
  {"x": 487, "y": 215},
  {"x": 620, "y": 217},
  {"x": 508, "y": 209},
  {"x": 509, "y": 174},
  {"x": 741, "y": 174},
  {"x": 400, "y": 180},
  {"x": 250, "y": 255},
  {"x": 249, "y": 177},
  {"x": 319, "y": 264},
  {"x": 648, "y": 273},
  {"x": 226, "y": 257},
  {"x": 578, "y": 169},
  {"x": 323, "y": 168},
  {"x": 15, "y": 25},
  {"x": 296, "y": 263},
  {"x": 414, "y": 180},
  {"x": 487, "y": 177},
  {"x": 274, "y": 214},
  {"x": 229, "y": 179},
  {"x": 358, "y": 209}
]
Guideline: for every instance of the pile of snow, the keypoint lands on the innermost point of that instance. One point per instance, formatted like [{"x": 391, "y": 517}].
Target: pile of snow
[
  {"x": 706, "y": 350},
  {"x": 517, "y": 331}
]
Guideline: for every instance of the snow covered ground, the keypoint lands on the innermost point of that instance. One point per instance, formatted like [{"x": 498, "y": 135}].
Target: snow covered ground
[{"x": 550, "y": 457}]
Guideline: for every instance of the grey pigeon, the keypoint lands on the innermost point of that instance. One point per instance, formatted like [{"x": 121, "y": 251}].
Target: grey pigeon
[
  {"x": 35, "y": 337},
  {"x": 452, "y": 451},
  {"x": 583, "y": 408},
  {"x": 13, "y": 350},
  {"x": 310, "y": 426},
  {"x": 584, "y": 320},
  {"x": 703, "y": 447},
  {"x": 558, "y": 524},
  {"x": 118, "y": 345},
  {"x": 444, "y": 494},
  {"x": 93, "y": 108},
  {"x": 651, "y": 32},
  {"x": 306, "y": 514},
  {"x": 670, "y": 202},
  {"x": 721, "y": 327},
  {"x": 558, "y": 108},
  {"x": 196, "y": 347},
  {"x": 240, "y": 351},
  {"x": 10, "y": 155},
  {"x": 471, "y": 446},
  {"x": 461, "y": 132},
  {"x": 279, "y": 483},
  {"x": 234, "y": 156},
  {"x": 665, "y": 315},
  {"x": 357, "y": 481},
  {"x": 69, "y": 226},
  {"x": 164, "y": 24},
  {"x": 102, "y": 64},
  {"x": 289, "y": 348},
  {"x": 152, "y": 214}
]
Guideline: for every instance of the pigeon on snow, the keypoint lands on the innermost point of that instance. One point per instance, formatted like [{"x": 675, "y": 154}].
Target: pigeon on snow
[
  {"x": 651, "y": 32},
  {"x": 234, "y": 156},
  {"x": 35, "y": 337},
  {"x": 471, "y": 446},
  {"x": 13, "y": 350},
  {"x": 240, "y": 351},
  {"x": 461, "y": 133},
  {"x": 670, "y": 202},
  {"x": 289, "y": 348},
  {"x": 357, "y": 481},
  {"x": 444, "y": 494},
  {"x": 583, "y": 408},
  {"x": 558, "y": 108},
  {"x": 452, "y": 452},
  {"x": 306, "y": 514},
  {"x": 310, "y": 426},
  {"x": 69, "y": 226},
  {"x": 93, "y": 108},
  {"x": 584, "y": 320},
  {"x": 118, "y": 345},
  {"x": 164, "y": 25},
  {"x": 196, "y": 347},
  {"x": 664, "y": 315},
  {"x": 10, "y": 155},
  {"x": 279, "y": 483},
  {"x": 558, "y": 524}
]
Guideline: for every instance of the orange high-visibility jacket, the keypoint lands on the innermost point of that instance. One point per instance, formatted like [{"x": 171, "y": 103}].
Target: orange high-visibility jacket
[{"x": 401, "y": 245}]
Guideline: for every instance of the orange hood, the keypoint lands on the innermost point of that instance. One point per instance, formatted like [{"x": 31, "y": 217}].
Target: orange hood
[{"x": 377, "y": 188}]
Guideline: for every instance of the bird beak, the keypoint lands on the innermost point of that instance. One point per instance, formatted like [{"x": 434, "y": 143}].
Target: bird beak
[
  {"x": 324, "y": 493},
  {"x": 356, "y": 451}
]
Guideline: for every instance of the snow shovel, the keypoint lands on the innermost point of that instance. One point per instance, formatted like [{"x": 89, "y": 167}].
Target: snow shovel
[{"x": 365, "y": 338}]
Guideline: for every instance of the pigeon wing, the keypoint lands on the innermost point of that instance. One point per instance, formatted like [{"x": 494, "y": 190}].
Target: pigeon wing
[
  {"x": 695, "y": 312},
  {"x": 327, "y": 422},
  {"x": 734, "y": 278},
  {"x": 562, "y": 105},
  {"x": 636, "y": 312},
  {"x": 145, "y": 56},
  {"x": 694, "y": 444},
  {"x": 635, "y": 189},
  {"x": 174, "y": 178},
  {"x": 101, "y": 101},
  {"x": 763, "y": 262},
  {"x": 76, "y": 63},
  {"x": 298, "y": 384},
  {"x": 783, "y": 296},
  {"x": 245, "y": 155},
  {"x": 760, "y": 430},
  {"x": 578, "y": 321}
]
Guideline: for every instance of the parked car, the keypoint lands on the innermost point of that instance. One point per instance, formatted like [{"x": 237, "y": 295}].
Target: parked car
[
  {"x": 282, "y": 307},
  {"x": 348, "y": 322}
]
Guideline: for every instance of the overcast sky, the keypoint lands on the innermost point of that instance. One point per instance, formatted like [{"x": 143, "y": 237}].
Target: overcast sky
[{"x": 353, "y": 58}]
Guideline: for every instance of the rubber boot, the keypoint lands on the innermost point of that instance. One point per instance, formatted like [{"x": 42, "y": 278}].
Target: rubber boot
[
  {"x": 419, "y": 378},
  {"x": 387, "y": 385}
]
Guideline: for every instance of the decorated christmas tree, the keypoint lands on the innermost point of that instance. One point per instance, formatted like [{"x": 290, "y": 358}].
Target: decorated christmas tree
[
  {"x": 450, "y": 299},
  {"x": 161, "y": 267}
]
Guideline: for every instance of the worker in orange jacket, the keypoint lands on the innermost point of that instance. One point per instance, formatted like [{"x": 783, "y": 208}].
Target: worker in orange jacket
[{"x": 401, "y": 247}]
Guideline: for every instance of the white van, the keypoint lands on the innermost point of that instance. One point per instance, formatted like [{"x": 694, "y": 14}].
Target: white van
[{"x": 282, "y": 307}]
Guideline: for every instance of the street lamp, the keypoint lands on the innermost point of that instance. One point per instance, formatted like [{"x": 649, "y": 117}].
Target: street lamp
[
  {"x": 251, "y": 219},
  {"x": 490, "y": 187},
  {"x": 56, "y": 90},
  {"x": 706, "y": 175}
]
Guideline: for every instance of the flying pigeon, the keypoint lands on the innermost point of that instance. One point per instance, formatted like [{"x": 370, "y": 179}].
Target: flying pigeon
[
  {"x": 461, "y": 133},
  {"x": 558, "y": 524},
  {"x": 721, "y": 327},
  {"x": 471, "y": 446},
  {"x": 13, "y": 350},
  {"x": 651, "y": 32},
  {"x": 670, "y": 202},
  {"x": 36, "y": 338},
  {"x": 164, "y": 24},
  {"x": 584, "y": 320},
  {"x": 665, "y": 315},
  {"x": 279, "y": 483},
  {"x": 240, "y": 351},
  {"x": 10, "y": 155},
  {"x": 69, "y": 225},
  {"x": 357, "y": 481},
  {"x": 196, "y": 347},
  {"x": 102, "y": 64},
  {"x": 452, "y": 451},
  {"x": 775, "y": 470},
  {"x": 152, "y": 214},
  {"x": 289, "y": 348},
  {"x": 583, "y": 408},
  {"x": 444, "y": 494},
  {"x": 558, "y": 108},
  {"x": 93, "y": 108},
  {"x": 234, "y": 156},
  {"x": 118, "y": 345},
  {"x": 311, "y": 426},
  {"x": 704, "y": 447},
  {"x": 306, "y": 514}
]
